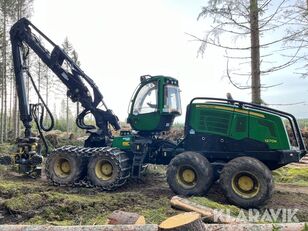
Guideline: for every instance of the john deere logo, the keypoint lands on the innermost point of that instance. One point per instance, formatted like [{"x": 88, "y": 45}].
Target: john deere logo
[
  {"x": 270, "y": 141},
  {"x": 126, "y": 143}
]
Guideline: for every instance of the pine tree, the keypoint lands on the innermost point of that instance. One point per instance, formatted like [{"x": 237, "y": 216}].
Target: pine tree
[
  {"x": 20, "y": 8},
  {"x": 6, "y": 7}
]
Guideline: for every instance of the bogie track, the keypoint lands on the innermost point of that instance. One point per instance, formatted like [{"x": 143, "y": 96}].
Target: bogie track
[{"x": 79, "y": 167}]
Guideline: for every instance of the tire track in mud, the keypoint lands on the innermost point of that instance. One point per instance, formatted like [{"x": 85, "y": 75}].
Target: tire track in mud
[{"x": 291, "y": 188}]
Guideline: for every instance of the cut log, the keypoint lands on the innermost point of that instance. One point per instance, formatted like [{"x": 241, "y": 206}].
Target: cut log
[
  {"x": 125, "y": 218},
  {"x": 209, "y": 214},
  {"x": 255, "y": 227},
  {"x": 79, "y": 228},
  {"x": 183, "y": 221},
  {"x": 206, "y": 227}
]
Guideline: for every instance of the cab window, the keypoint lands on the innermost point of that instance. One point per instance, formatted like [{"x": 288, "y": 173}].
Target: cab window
[
  {"x": 146, "y": 99},
  {"x": 172, "y": 100}
]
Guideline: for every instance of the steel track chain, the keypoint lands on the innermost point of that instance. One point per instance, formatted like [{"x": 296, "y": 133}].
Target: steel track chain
[{"x": 120, "y": 158}]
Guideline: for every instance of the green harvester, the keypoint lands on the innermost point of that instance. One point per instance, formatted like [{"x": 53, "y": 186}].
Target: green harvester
[{"x": 233, "y": 142}]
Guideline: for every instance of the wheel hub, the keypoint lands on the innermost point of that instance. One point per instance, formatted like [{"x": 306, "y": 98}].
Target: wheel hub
[
  {"x": 62, "y": 167},
  {"x": 107, "y": 169},
  {"x": 65, "y": 167},
  {"x": 245, "y": 185},
  {"x": 104, "y": 170},
  {"x": 187, "y": 177}
]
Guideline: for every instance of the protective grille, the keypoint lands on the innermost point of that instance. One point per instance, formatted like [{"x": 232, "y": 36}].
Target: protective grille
[{"x": 214, "y": 121}]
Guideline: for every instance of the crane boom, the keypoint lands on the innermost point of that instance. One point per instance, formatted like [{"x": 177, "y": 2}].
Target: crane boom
[{"x": 70, "y": 74}]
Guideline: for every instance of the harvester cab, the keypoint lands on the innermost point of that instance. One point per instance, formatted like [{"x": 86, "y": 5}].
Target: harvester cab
[{"x": 154, "y": 104}]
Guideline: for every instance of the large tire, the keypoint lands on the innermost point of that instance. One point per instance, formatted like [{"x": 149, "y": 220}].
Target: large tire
[
  {"x": 109, "y": 168},
  {"x": 246, "y": 182},
  {"x": 64, "y": 167},
  {"x": 190, "y": 173}
]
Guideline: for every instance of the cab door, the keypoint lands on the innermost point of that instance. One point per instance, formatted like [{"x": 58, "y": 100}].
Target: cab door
[{"x": 144, "y": 115}]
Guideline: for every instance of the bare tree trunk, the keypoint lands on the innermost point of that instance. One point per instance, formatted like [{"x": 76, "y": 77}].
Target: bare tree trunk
[
  {"x": 5, "y": 107},
  {"x": 4, "y": 76},
  {"x": 2, "y": 103},
  {"x": 255, "y": 53}
]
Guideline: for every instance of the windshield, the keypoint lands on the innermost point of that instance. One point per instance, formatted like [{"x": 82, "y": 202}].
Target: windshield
[
  {"x": 146, "y": 100},
  {"x": 172, "y": 99}
]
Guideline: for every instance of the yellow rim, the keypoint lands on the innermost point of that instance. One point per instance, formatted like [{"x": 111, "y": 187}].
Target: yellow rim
[
  {"x": 245, "y": 185},
  {"x": 62, "y": 167},
  {"x": 104, "y": 170},
  {"x": 187, "y": 177}
]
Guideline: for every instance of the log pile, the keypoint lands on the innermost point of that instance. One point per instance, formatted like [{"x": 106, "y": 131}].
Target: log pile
[
  {"x": 79, "y": 228},
  {"x": 206, "y": 227}
]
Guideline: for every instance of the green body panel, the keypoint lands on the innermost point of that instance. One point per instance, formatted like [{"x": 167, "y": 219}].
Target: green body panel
[
  {"x": 239, "y": 123},
  {"x": 122, "y": 142},
  {"x": 239, "y": 126},
  {"x": 145, "y": 122},
  {"x": 270, "y": 130}
]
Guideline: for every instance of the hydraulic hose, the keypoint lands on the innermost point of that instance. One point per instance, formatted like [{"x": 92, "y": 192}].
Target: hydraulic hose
[
  {"x": 41, "y": 119},
  {"x": 38, "y": 115},
  {"x": 35, "y": 111}
]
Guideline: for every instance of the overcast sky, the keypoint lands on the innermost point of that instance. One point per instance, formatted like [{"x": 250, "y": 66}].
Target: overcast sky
[{"x": 118, "y": 41}]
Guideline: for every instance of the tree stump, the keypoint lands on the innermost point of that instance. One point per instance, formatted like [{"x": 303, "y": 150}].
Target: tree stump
[
  {"x": 183, "y": 222},
  {"x": 125, "y": 218}
]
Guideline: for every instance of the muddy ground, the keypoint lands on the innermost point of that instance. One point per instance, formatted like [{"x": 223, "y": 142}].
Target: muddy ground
[{"x": 33, "y": 201}]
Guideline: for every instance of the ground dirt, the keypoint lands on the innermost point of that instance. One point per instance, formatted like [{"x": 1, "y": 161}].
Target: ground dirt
[{"x": 33, "y": 201}]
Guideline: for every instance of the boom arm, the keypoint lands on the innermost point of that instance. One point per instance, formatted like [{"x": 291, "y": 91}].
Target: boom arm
[{"x": 72, "y": 77}]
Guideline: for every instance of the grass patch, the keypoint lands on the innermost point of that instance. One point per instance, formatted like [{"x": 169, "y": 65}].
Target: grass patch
[
  {"x": 291, "y": 175},
  {"x": 59, "y": 208},
  {"x": 157, "y": 211},
  {"x": 67, "y": 209},
  {"x": 28, "y": 201},
  {"x": 25, "y": 203},
  {"x": 11, "y": 188},
  {"x": 155, "y": 216}
]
